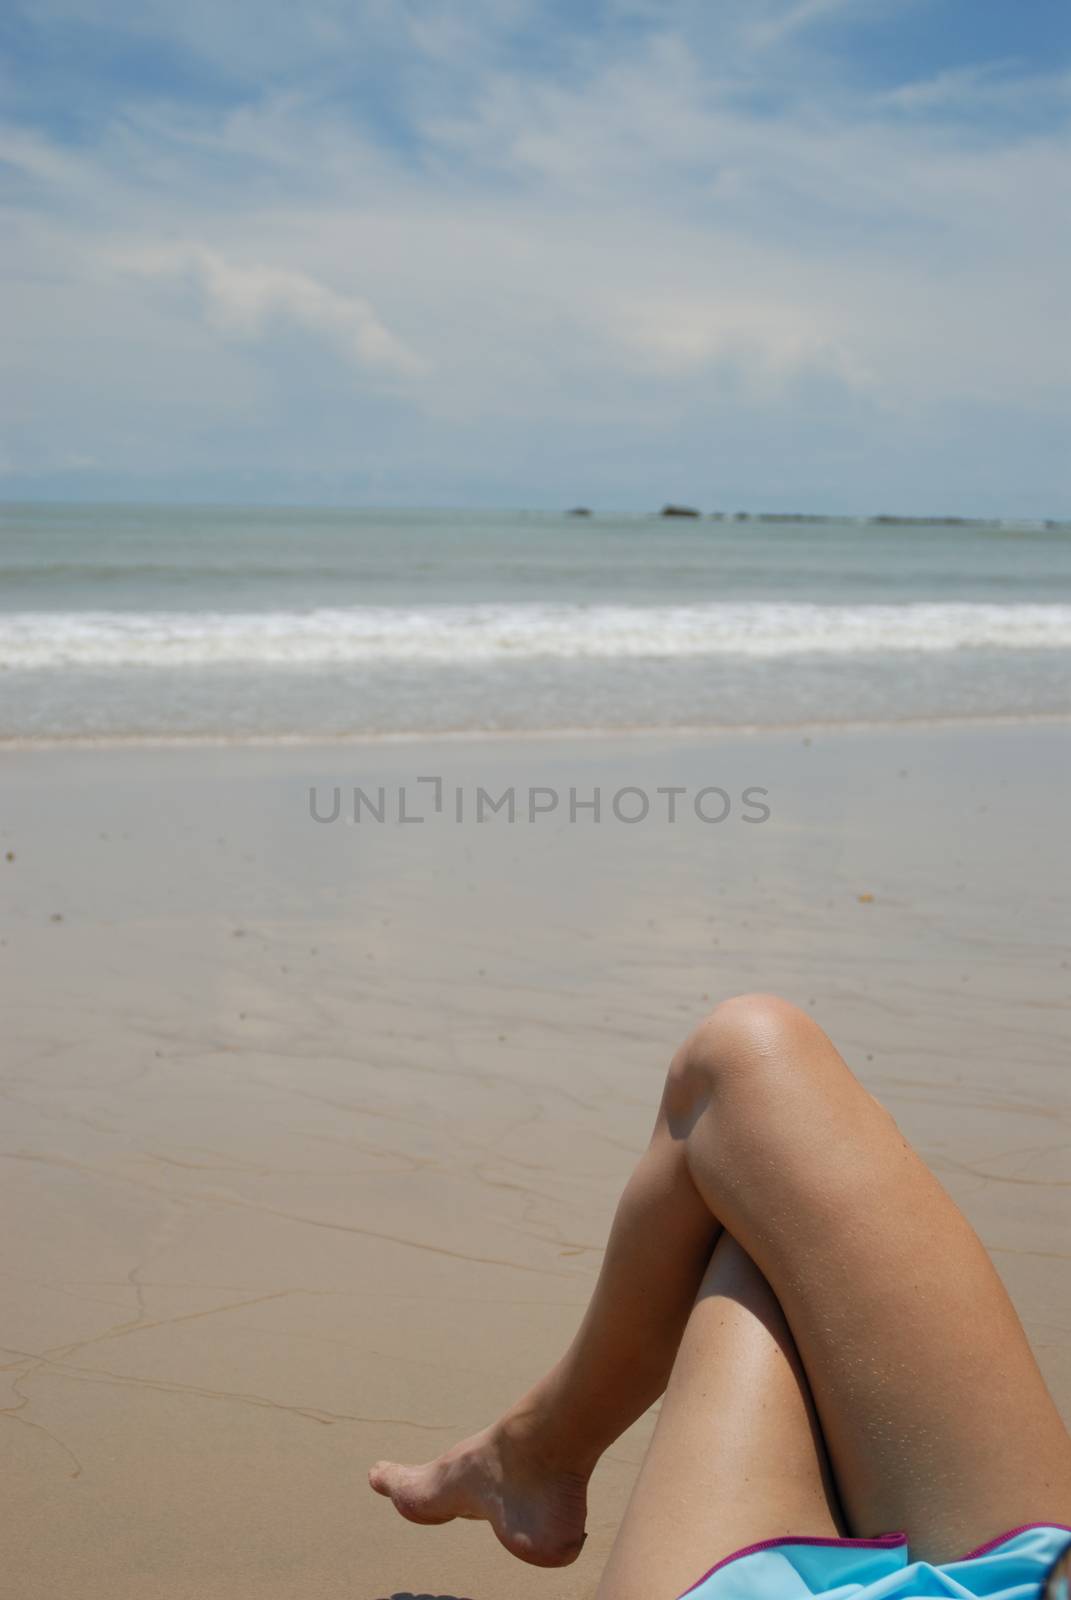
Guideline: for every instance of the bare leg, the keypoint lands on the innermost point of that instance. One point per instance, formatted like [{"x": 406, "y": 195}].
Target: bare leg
[
  {"x": 933, "y": 1409},
  {"x": 736, "y": 1455},
  {"x": 527, "y": 1475},
  {"x": 934, "y": 1412}
]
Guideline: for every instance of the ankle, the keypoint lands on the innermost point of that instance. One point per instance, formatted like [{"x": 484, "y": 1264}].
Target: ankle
[{"x": 533, "y": 1429}]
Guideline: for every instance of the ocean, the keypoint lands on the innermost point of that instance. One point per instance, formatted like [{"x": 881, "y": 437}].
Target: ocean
[{"x": 122, "y": 622}]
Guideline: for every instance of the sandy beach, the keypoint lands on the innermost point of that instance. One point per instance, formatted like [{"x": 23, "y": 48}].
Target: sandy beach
[{"x": 313, "y": 1130}]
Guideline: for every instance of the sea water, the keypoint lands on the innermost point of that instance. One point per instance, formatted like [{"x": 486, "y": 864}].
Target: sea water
[{"x": 150, "y": 621}]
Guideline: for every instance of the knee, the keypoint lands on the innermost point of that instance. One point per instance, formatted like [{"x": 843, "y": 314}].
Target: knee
[
  {"x": 749, "y": 1028},
  {"x": 749, "y": 1035}
]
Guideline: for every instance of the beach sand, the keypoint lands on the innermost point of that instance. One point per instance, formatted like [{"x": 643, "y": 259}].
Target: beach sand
[{"x": 313, "y": 1132}]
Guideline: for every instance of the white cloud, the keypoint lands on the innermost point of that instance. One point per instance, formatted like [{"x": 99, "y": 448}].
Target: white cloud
[
  {"x": 767, "y": 341},
  {"x": 249, "y": 300},
  {"x": 35, "y": 158},
  {"x": 592, "y": 265},
  {"x": 977, "y": 88},
  {"x": 792, "y": 19}
]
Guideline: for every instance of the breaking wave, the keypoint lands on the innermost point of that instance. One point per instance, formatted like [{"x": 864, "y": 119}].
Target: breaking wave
[{"x": 501, "y": 632}]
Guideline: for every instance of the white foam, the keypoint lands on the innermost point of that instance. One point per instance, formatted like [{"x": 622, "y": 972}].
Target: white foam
[{"x": 517, "y": 632}]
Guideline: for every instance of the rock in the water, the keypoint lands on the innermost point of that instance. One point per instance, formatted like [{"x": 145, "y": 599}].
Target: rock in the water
[
  {"x": 678, "y": 511},
  {"x": 579, "y": 511}
]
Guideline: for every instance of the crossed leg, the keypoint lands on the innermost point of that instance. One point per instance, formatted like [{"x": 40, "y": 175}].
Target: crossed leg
[
  {"x": 736, "y": 1455},
  {"x": 931, "y": 1407}
]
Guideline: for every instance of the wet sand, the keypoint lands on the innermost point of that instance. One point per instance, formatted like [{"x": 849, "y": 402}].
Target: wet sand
[{"x": 313, "y": 1130}]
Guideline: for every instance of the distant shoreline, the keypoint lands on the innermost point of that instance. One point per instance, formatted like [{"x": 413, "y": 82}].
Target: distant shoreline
[
  {"x": 579, "y": 512},
  {"x": 883, "y": 520}
]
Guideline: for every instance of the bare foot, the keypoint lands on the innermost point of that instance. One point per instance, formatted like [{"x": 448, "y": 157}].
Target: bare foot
[{"x": 538, "y": 1513}]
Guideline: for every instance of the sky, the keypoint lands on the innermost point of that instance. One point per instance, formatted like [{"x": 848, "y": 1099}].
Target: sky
[{"x": 745, "y": 254}]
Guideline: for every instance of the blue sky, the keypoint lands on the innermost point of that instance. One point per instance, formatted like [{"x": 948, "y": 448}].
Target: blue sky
[{"x": 771, "y": 254}]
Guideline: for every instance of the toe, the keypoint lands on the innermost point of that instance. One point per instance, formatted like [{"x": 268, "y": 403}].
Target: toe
[
  {"x": 416, "y": 1492},
  {"x": 385, "y": 1477}
]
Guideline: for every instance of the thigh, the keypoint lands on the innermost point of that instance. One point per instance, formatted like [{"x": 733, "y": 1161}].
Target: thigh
[
  {"x": 735, "y": 1456},
  {"x": 935, "y": 1414}
]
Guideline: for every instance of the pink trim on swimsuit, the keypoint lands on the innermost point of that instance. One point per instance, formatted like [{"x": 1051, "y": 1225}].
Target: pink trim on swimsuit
[
  {"x": 881, "y": 1541},
  {"x": 991, "y": 1544}
]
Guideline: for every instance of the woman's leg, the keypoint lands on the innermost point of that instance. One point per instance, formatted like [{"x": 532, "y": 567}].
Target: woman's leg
[
  {"x": 935, "y": 1415},
  {"x": 934, "y": 1411},
  {"x": 736, "y": 1454},
  {"x": 528, "y": 1473}
]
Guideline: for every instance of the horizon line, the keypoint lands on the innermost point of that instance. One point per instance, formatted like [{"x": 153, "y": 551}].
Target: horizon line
[{"x": 672, "y": 511}]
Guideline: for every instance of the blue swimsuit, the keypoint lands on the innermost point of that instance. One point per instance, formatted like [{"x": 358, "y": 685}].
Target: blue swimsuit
[{"x": 1011, "y": 1567}]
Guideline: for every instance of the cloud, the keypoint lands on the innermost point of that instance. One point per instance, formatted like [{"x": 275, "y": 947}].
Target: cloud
[
  {"x": 45, "y": 164},
  {"x": 768, "y": 342},
  {"x": 788, "y": 20},
  {"x": 249, "y": 301},
  {"x": 496, "y": 257},
  {"x": 978, "y": 88}
]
